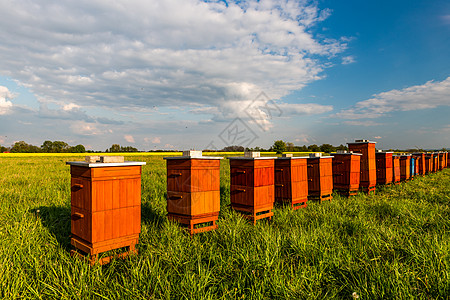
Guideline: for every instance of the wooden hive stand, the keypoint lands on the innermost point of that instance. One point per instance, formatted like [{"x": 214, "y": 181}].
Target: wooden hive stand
[
  {"x": 291, "y": 181},
  {"x": 346, "y": 172},
  {"x": 385, "y": 167},
  {"x": 396, "y": 169},
  {"x": 368, "y": 180},
  {"x": 105, "y": 207},
  {"x": 252, "y": 190},
  {"x": 405, "y": 167},
  {"x": 193, "y": 191},
  {"x": 320, "y": 178}
]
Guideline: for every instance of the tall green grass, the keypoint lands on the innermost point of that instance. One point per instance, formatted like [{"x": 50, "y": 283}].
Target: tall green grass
[{"x": 394, "y": 244}]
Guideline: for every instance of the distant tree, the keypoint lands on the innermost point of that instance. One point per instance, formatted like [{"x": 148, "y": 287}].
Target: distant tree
[
  {"x": 327, "y": 148},
  {"x": 60, "y": 147},
  {"x": 301, "y": 148},
  {"x": 3, "y": 149},
  {"x": 114, "y": 148},
  {"x": 128, "y": 149},
  {"x": 279, "y": 146},
  {"x": 233, "y": 149},
  {"x": 342, "y": 147},
  {"x": 55, "y": 147},
  {"x": 22, "y": 147},
  {"x": 290, "y": 146},
  {"x": 313, "y": 148},
  {"x": 47, "y": 146},
  {"x": 77, "y": 149},
  {"x": 257, "y": 148}
]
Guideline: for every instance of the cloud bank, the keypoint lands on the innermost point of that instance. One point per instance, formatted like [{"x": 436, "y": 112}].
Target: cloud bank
[
  {"x": 432, "y": 94},
  {"x": 137, "y": 54}
]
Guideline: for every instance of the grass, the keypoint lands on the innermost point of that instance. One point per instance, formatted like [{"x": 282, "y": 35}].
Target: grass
[{"x": 394, "y": 244}]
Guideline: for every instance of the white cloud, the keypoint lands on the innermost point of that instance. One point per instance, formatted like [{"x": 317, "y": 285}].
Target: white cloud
[
  {"x": 377, "y": 137},
  {"x": 5, "y": 105},
  {"x": 348, "y": 60},
  {"x": 156, "y": 140},
  {"x": 86, "y": 129},
  {"x": 129, "y": 138},
  {"x": 137, "y": 54},
  {"x": 169, "y": 146},
  {"x": 429, "y": 95},
  {"x": 365, "y": 123}
]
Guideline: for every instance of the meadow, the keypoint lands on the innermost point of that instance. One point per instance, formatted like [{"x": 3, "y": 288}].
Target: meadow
[{"x": 394, "y": 244}]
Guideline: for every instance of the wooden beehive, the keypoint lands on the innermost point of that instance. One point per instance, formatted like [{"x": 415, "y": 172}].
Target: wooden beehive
[
  {"x": 405, "y": 167},
  {"x": 448, "y": 159},
  {"x": 435, "y": 162},
  {"x": 346, "y": 173},
  {"x": 421, "y": 163},
  {"x": 368, "y": 178},
  {"x": 193, "y": 191},
  {"x": 441, "y": 161},
  {"x": 384, "y": 167},
  {"x": 396, "y": 169},
  {"x": 417, "y": 164},
  {"x": 291, "y": 181},
  {"x": 105, "y": 207},
  {"x": 429, "y": 163},
  {"x": 320, "y": 178},
  {"x": 252, "y": 191}
]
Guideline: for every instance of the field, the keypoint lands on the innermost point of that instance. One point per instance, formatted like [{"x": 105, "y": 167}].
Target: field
[{"x": 392, "y": 245}]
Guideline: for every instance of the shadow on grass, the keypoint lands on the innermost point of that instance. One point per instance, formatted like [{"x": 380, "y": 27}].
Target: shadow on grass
[
  {"x": 57, "y": 220},
  {"x": 152, "y": 216}
]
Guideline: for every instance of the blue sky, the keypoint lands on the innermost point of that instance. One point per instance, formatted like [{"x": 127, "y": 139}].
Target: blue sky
[{"x": 192, "y": 74}]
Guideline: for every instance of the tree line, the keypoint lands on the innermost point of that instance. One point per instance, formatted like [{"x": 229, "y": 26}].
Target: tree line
[
  {"x": 59, "y": 147},
  {"x": 281, "y": 146}
]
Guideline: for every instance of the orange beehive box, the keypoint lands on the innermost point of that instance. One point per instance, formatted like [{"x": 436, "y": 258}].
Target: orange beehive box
[
  {"x": 421, "y": 163},
  {"x": 346, "y": 172},
  {"x": 368, "y": 178},
  {"x": 441, "y": 161},
  {"x": 252, "y": 190},
  {"x": 435, "y": 162},
  {"x": 405, "y": 167},
  {"x": 105, "y": 207},
  {"x": 447, "y": 159},
  {"x": 416, "y": 165},
  {"x": 429, "y": 163},
  {"x": 291, "y": 181},
  {"x": 384, "y": 167},
  {"x": 193, "y": 191},
  {"x": 396, "y": 169},
  {"x": 320, "y": 178}
]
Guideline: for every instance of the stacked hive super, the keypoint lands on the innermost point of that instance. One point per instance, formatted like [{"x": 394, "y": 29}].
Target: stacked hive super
[
  {"x": 368, "y": 179},
  {"x": 193, "y": 190},
  {"x": 252, "y": 190},
  {"x": 291, "y": 181},
  {"x": 320, "y": 177},
  {"x": 346, "y": 172},
  {"x": 105, "y": 205}
]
